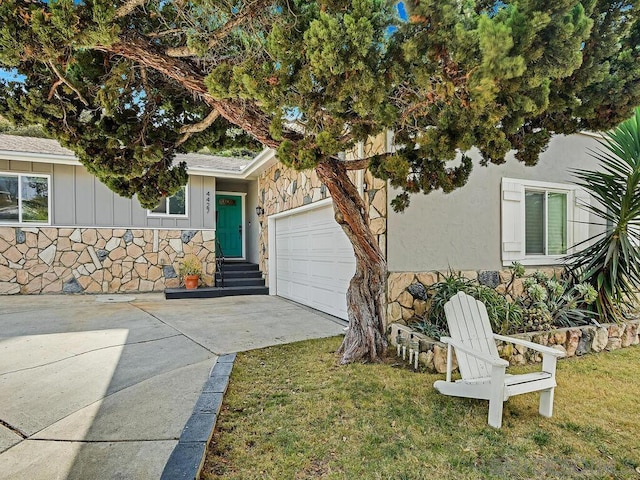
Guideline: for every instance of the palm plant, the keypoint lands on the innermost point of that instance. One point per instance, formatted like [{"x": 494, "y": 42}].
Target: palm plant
[{"x": 611, "y": 263}]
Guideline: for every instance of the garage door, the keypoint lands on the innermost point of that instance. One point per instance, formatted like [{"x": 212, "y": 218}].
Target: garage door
[{"x": 314, "y": 260}]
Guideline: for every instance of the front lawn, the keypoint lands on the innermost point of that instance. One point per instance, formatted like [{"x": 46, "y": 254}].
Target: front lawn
[{"x": 292, "y": 413}]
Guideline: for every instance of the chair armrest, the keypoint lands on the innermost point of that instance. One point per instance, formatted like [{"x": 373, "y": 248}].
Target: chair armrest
[
  {"x": 494, "y": 361},
  {"x": 534, "y": 346}
]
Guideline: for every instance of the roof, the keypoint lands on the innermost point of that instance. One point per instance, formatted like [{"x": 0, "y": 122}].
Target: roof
[
  {"x": 32, "y": 145},
  {"x": 44, "y": 147}
]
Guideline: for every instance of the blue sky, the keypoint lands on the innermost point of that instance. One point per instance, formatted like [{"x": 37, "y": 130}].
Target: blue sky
[{"x": 10, "y": 75}]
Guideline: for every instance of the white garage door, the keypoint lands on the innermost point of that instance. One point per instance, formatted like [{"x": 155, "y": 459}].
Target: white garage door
[{"x": 314, "y": 260}]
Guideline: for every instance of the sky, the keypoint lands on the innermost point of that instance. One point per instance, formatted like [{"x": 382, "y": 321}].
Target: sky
[{"x": 10, "y": 75}]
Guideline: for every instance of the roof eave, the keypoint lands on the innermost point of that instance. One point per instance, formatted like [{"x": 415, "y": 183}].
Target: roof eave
[
  {"x": 39, "y": 157},
  {"x": 261, "y": 162}
]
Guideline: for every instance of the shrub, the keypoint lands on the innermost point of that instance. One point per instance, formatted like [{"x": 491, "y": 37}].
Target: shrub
[
  {"x": 611, "y": 263},
  {"x": 545, "y": 303},
  {"x": 505, "y": 317}
]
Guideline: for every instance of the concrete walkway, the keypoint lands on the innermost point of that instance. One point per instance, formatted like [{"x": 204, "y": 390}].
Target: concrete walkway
[{"x": 97, "y": 389}]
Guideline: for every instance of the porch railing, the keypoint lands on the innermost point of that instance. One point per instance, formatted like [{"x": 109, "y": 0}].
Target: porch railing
[{"x": 218, "y": 276}]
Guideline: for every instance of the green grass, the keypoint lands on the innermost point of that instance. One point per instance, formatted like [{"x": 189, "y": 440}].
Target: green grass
[{"x": 292, "y": 413}]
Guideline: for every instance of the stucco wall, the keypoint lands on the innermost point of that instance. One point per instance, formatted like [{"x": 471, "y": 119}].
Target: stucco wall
[
  {"x": 80, "y": 199},
  {"x": 98, "y": 260},
  {"x": 461, "y": 230}
]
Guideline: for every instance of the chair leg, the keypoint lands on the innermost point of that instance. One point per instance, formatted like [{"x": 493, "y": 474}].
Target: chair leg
[
  {"x": 495, "y": 413},
  {"x": 546, "y": 402},
  {"x": 497, "y": 396}
]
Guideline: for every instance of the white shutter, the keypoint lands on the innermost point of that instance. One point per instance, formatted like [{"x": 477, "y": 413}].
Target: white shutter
[
  {"x": 512, "y": 200},
  {"x": 581, "y": 202}
]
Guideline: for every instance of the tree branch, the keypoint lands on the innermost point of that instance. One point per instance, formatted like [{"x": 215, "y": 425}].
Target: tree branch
[
  {"x": 247, "y": 13},
  {"x": 357, "y": 164},
  {"x": 128, "y": 7},
  {"x": 244, "y": 114},
  {"x": 188, "y": 130},
  {"x": 67, "y": 83}
]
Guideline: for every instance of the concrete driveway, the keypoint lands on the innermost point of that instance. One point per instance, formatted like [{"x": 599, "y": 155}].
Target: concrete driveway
[{"x": 92, "y": 388}]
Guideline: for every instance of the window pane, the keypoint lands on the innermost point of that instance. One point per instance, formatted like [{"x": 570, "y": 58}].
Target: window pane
[
  {"x": 8, "y": 198},
  {"x": 557, "y": 223},
  {"x": 162, "y": 207},
  {"x": 534, "y": 223},
  {"x": 177, "y": 203},
  {"x": 35, "y": 199}
]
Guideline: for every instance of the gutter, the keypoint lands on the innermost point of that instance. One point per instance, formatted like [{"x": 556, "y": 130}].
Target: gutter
[
  {"x": 262, "y": 161},
  {"x": 39, "y": 157}
]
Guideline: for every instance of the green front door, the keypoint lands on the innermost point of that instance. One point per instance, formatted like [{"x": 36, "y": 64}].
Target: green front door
[{"x": 229, "y": 224}]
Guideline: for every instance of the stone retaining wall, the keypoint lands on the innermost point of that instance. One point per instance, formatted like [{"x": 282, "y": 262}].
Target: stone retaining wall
[
  {"x": 572, "y": 341},
  {"x": 98, "y": 260},
  {"x": 406, "y": 297},
  {"x": 281, "y": 189}
]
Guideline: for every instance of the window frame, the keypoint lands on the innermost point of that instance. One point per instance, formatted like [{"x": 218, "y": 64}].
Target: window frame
[
  {"x": 151, "y": 213},
  {"x": 577, "y": 220},
  {"x": 545, "y": 219},
  {"x": 20, "y": 221}
]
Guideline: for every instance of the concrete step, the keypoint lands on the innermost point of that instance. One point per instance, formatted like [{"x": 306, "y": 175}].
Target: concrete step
[
  {"x": 239, "y": 266},
  {"x": 214, "y": 292},
  {"x": 241, "y": 274},
  {"x": 239, "y": 282}
]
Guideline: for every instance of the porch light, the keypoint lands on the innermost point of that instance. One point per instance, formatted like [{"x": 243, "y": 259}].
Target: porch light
[{"x": 259, "y": 211}]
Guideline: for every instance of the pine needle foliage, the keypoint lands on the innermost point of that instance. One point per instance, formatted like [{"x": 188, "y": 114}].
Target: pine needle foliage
[{"x": 118, "y": 82}]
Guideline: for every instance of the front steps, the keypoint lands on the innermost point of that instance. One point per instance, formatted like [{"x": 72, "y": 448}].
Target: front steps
[{"x": 240, "y": 278}]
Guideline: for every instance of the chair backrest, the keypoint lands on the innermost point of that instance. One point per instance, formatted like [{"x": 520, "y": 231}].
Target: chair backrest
[{"x": 469, "y": 324}]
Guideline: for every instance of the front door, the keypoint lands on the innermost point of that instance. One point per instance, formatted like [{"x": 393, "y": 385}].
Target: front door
[{"x": 229, "y": 224}]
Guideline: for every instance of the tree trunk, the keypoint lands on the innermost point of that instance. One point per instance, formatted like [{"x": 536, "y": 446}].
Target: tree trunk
[{"x": 365, "y": 340}]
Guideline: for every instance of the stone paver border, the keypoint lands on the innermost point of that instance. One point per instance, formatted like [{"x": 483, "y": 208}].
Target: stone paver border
[{"x": 187, "y": 458}]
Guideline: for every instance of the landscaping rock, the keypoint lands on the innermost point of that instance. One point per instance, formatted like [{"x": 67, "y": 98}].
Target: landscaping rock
[
  {"x": 490, "y": 278},
  {"x": 584, "y": 345},
  {"x": 187, "y": 236},
  {"x": 169, "y": 272},
  {"x": 71, "y": 286},
  {"x": 128, "y": 236},
  {"x": 600, "y": 340},
  {"x": 573, "y": 339},
  {"x": 614, "y": 343},
  {"x": 418, "y": 291},
  {"x": 21, "y": 237}
]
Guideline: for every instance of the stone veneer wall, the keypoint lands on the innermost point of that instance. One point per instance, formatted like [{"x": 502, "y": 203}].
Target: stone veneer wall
[
  {"x": 281, "y": 189},
  {"x": 404, "y": 302},
  {"x": 572, "y": 341},
  {"x": 98, "y": 260}
]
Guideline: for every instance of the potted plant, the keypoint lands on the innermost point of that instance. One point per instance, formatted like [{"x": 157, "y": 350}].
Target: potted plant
[{"x": 190, "y": 270}]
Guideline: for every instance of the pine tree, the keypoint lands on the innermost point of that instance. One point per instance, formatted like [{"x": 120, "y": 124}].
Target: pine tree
[{"x": 126, "y": 85}]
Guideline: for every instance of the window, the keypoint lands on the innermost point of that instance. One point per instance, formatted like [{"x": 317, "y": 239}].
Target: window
[
  {"x": 24, "y": 198},
  {"x": 541, "y": 221},
  {"x": 545, "y": 222},
  {"x": 176, "y": 205}
]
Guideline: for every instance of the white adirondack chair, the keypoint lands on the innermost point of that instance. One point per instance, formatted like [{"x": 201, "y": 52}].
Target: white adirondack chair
[{"x": 483, "y": 371}]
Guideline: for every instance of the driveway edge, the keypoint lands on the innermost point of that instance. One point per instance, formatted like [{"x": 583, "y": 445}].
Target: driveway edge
[{"x": 187, "y": 458}]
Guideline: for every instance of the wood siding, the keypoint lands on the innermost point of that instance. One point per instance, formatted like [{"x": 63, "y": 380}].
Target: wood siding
[{"x": 80, "y": 199}]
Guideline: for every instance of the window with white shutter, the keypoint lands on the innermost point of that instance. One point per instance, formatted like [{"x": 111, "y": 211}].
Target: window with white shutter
[{"x": 542, "y": 221}]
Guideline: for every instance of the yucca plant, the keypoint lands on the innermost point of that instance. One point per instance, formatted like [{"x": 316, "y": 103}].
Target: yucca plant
[{"x": 611, "y": 261}]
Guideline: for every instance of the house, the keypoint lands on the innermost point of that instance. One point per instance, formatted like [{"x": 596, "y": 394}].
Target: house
[
  {"x": 61, "y": 230},
  {"x": 283, "y": 220}
]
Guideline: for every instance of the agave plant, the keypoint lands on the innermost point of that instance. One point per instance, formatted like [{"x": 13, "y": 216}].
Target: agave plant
[{"x": 611, "y": 262}]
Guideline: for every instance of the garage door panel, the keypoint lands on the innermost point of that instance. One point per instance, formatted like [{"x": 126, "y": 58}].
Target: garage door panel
[{"x": 314, "y": 260}]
